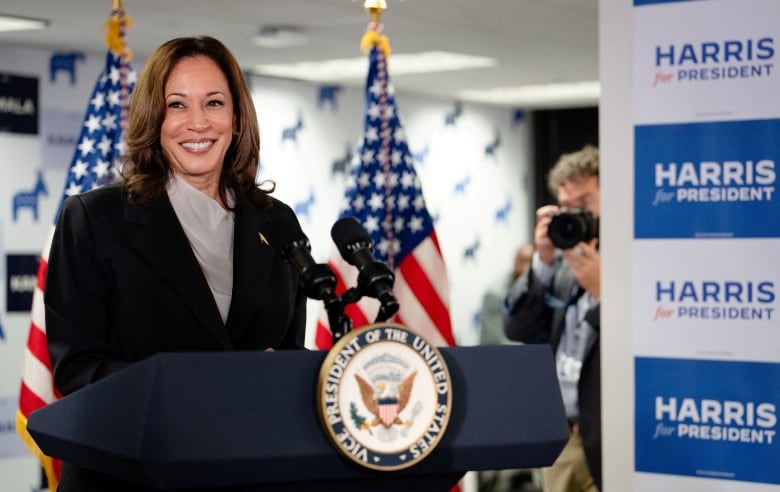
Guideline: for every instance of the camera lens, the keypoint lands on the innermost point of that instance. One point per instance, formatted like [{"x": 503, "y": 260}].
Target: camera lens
[
  {"x": 571, "y": 227},
  {"x": 566, "y": 230}
]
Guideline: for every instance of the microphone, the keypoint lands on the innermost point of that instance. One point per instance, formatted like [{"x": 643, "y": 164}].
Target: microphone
[
  {"x": 318, "y": 279},
  {"x": 374, "y": 278}
]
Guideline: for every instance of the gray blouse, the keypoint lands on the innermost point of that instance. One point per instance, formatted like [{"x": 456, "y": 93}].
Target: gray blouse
[{"x": 209, "y": 228}]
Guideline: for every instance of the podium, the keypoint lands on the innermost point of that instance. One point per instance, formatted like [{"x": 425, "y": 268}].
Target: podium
[{"x": 221, "y": 419}]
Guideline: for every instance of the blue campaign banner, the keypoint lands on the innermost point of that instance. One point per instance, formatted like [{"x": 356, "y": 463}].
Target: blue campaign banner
[
  {"x": 706, "y": 180},
  {"x": 705, "y": 418}
]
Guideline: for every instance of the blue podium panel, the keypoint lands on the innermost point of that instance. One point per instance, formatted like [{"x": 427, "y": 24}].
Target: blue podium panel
[{"x": 179, "y": 420}]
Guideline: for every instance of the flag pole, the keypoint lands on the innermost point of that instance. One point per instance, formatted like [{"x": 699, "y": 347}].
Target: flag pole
[{"x": 116, "y": 30}]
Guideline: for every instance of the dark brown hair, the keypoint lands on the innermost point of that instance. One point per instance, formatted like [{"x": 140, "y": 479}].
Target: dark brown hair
[{"x": 147, "y": 170}]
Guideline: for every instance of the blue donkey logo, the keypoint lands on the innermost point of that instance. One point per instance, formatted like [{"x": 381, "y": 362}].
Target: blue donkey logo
[
  {"x": 65, "y": 62},
  {"x": 29, "y": 199}
]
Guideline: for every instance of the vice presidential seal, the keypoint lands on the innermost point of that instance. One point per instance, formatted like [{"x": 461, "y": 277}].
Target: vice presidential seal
[{"x": 384, "y": 396}]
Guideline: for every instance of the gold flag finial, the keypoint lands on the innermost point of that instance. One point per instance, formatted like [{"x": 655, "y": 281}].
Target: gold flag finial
[
  {"x": 375, "y": 9},
  {"x": 373, "y": 35},
  {"x": 115, "y": 27}
]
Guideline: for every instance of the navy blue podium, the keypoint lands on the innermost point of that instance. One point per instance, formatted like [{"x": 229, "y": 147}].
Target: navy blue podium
[{"x": 219, "y": 419}]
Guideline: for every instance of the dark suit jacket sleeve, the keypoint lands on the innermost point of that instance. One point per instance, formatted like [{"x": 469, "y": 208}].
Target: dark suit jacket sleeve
[
  {"x": 75, "y": 300},
  {"x": 526, "y": 317},
  {"x": 295, "y": 336}
]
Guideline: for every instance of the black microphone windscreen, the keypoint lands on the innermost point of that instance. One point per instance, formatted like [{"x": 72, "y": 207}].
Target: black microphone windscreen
[
  {"x": 291, "y": 235},
  {"x": 348, "y": 230}
]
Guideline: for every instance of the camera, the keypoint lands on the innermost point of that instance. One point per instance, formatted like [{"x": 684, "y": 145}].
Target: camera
[{"x": 572, "y": 226}]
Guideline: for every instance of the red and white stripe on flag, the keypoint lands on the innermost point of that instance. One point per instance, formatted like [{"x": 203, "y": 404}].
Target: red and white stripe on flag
[{"x": 37, "y": 388}]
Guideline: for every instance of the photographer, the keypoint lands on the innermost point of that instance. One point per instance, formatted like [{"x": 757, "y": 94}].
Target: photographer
[{"x": 557, "y": 302}]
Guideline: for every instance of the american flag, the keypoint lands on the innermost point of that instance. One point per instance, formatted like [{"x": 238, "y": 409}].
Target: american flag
[
  {"x": 385, "y": 195},
  {"x": 96, "y": 161}
]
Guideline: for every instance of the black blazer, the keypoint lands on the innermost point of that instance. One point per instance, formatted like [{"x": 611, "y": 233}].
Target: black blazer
[
  {"x": 123, "y": 284},
  {"x": 530, "y": 320}
]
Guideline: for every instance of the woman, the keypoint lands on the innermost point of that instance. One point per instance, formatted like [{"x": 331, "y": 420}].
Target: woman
[{"x": 182, "y": 255}]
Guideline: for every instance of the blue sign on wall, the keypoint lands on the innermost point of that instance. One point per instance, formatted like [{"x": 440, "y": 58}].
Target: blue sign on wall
[
  {"x": 707, "y": 180},
  {"x": 704, "y": 418}
]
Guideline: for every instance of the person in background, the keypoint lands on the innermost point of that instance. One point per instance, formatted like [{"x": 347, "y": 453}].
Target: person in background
[
  {"x": 183, "y": 253},
  {"x": 557, "y": 301},
  {"x": 491, "y": 312}
]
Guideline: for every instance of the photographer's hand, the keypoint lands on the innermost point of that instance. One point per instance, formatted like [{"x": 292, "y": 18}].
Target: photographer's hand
[
  {"x": 544, "y": 246},
  {"x": 585, "y": 264}
]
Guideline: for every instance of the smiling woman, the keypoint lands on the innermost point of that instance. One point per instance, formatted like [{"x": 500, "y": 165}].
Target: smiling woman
[
  {"x": 198, "y": 125},
  {"x": 168, "y": 259},
  {"x": 186, "y": 83}
]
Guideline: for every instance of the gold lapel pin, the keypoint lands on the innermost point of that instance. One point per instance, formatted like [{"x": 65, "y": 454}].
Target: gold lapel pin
[{"x": 263, "y": 239}]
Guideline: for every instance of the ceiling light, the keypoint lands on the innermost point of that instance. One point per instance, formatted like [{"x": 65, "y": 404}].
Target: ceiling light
[
  {"x": 280, "y": 37},
  {"x": 356, "y": 68},
  {"x": 14, "y": 23},
  {"x": 547, "y": 95}
]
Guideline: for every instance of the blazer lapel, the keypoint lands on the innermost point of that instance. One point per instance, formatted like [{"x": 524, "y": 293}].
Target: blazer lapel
[
  {"x": 160, "y": 240},
  {"x": 253, "y": 255}
]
